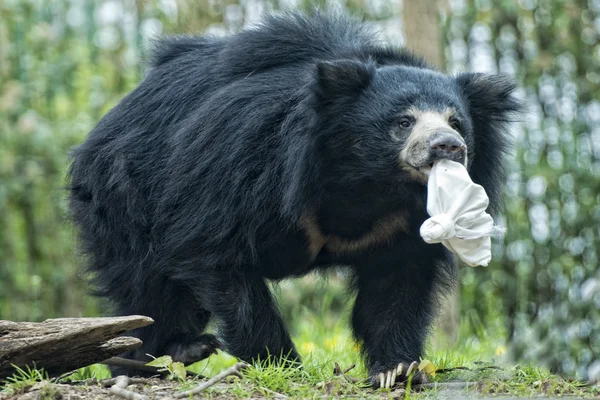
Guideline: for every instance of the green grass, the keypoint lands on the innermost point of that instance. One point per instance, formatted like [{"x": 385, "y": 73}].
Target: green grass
[
  {"x": 324, "y": 346},
  {"x": 323, "y": 339},
  {"x": 23, "y": 379}
]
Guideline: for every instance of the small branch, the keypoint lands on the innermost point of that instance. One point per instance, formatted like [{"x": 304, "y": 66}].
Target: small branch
[
  {"x": 350, "y": 368},
  {"x": 234, "y": 370},
  {"x": 119, "y": 389},
  {"x": 141, "y": 366},
  {"x": 133, "y": 364},
  {"x": 63, "y": 376},
  {"x": 444, "y": 370},
  {"x": 445, "y": 385},
  {"x": 337, "y": 370},
  {"x": 274, "y": 393},
  {"x": 113, "y": 381}
]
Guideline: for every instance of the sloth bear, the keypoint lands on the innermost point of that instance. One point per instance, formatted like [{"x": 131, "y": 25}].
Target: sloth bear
[{"x": 300, "y": 144}]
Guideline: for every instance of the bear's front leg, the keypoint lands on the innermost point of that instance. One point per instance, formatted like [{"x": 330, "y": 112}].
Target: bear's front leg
[{"x": 394, "y": 308}]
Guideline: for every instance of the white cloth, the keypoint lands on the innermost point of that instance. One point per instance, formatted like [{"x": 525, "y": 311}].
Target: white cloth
[{"x": 458, "y": 218}]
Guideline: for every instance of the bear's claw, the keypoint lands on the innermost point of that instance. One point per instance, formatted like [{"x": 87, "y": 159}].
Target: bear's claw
[{"x": 402, "y": 372}]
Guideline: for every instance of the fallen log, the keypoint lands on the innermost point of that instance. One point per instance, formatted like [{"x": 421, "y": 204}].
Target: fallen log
[{"x": 64, "y": 344}]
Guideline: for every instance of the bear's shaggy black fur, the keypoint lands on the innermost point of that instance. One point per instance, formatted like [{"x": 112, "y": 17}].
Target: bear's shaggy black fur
[{"x": 268, "y": 154}]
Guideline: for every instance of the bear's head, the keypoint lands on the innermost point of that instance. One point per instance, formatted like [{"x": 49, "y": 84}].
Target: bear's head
[{"x": 389, "y": 123}]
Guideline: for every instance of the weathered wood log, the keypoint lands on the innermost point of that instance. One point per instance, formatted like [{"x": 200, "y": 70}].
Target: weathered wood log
[{"x": 64, "y": 344}]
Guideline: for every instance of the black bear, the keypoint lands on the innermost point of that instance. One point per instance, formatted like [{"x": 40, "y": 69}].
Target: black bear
[{"x": 299, "y": 144}]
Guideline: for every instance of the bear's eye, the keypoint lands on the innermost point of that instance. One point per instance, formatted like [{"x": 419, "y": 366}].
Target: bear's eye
[
  {"x": 454, "y": 123},
  {"x": 405, "y": 122}
]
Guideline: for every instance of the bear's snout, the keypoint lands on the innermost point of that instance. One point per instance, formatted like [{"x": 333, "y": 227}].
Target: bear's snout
[{"x": 447, "y": 145}]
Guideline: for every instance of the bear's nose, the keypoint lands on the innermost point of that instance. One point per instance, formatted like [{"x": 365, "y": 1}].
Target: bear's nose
[{"x": 446, "y": 145}]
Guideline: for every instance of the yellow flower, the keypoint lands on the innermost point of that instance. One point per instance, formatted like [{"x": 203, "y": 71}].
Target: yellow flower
[
  {"x": 331, "y": 343},
  {"x": 500, "y": 350},
  {"x": 307, "y": 347}
]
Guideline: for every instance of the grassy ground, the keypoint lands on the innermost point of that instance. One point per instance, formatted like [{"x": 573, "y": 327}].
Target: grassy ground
[
  {"x": 324, "y": 340},
  {"x": 474, "y": 360}
]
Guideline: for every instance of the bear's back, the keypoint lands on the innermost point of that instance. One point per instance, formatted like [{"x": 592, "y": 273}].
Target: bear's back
[{"x": 287, "y": 40}]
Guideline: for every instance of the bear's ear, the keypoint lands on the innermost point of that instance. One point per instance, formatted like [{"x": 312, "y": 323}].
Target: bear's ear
[
  {"x": 490, "y": 96},
  {"x": 493, "y": 106},
  {"x": 342, "y": 78}
]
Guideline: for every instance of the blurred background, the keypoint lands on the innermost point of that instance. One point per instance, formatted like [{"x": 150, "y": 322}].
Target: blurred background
[{"x": 63, "y": 64}]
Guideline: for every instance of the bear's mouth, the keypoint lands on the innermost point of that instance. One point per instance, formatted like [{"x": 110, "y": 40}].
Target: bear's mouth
[{"x": 425, "y": 169}]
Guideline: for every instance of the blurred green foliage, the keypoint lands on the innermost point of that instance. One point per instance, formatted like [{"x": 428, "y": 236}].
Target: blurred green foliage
[
  {"x": 63, "y": 63},
  {"x": 545, "y": 282}
]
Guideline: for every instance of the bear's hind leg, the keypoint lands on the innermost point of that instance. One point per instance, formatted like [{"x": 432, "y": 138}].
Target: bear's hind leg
[
  {"x": 249, "y": 322},
  {"x": 191, "y": 347},
  {"x": 177, "y": 331}
]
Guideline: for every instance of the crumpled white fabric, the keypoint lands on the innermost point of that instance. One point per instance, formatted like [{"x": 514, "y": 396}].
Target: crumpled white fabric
[{"x": 458, "y": 218}]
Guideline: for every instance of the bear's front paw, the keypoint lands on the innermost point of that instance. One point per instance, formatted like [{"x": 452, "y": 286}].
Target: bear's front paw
[{"x": 389, "y": 377}]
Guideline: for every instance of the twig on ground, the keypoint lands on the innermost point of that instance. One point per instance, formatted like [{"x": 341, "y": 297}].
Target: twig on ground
[
  {"x": 350, "y": 368},
  {"x": 141, "y": 366},
  {"x": 160, "y": 388},
  {"x": 337, "y": 370},
  {"x": 274, "y": 393},
  {"x": 445, "y": 385},
  {"x": 63, "y": 376},
  {"x": 119, "y": 389},
  {"x": 133, "y": 364},
  {"x": 234, "y": 370},
  {"x": 443, "y": 370},
  {"x": 113, "y": 381}
]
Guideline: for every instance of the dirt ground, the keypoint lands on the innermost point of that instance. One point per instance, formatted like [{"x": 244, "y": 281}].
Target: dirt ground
[
  {"x": 162, "y": 389},
  {"x": 153, "y": 389}
]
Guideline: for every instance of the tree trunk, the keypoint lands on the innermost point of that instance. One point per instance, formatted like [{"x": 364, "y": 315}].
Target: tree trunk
[
  {"x": 422, "y": 29},
  {"x": 423, "y": 33}
]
